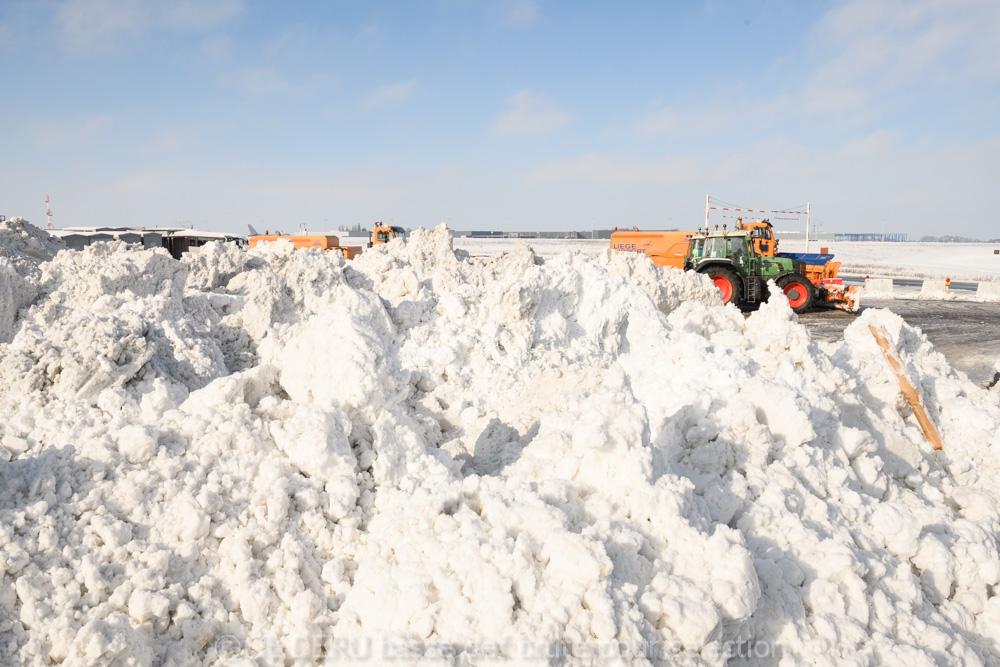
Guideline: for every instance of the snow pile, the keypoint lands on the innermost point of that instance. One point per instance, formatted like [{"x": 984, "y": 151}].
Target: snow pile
[
  {"x": 24, "y": 244},
  {"x": 282, "y": 456},
  {"x": 22, "y": 247}
]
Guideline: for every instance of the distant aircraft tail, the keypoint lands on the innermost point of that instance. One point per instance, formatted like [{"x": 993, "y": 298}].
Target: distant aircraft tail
[{"x": 253, "y": 232}]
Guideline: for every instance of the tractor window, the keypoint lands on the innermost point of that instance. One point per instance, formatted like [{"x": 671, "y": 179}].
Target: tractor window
[
  {"x": 715, "y": 246},
  {"x": 383, "y": 237},
  {"x": 697, "y": 248},
  {"x": 738, "y": 251}
]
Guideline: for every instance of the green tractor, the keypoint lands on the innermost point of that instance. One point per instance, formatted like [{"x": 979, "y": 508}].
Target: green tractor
[{"x": 741, "y": 273}]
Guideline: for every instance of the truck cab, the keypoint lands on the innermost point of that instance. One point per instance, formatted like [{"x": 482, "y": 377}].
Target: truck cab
[
  {"x": 382, "y": 233},
  {"x": 761, "y": 234}
]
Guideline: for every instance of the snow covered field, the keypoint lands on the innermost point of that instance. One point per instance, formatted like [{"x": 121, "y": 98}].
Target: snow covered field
[
  {"x": 279, "y": 456},
  {"x": 974, "y": 262}
]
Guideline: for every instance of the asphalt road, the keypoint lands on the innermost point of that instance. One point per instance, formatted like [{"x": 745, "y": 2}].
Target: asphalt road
[{"x": 966, "y": 332}]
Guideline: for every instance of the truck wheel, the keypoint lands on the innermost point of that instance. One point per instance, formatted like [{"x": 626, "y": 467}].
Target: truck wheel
[
  {"x": 799, "y": 291},
  {"x": 727, "y": 282}
]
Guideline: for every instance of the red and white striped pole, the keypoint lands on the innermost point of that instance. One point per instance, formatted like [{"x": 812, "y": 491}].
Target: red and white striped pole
[
  {"x": 807, "y": 226},
  {"x": 48, "y": 211}
]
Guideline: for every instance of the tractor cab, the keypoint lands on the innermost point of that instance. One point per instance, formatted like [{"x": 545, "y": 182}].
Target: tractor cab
[{"x": 734, "y": 248}]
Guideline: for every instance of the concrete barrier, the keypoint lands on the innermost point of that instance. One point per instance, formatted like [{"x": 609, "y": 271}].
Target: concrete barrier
[
  {"x": 988, "y": 292},
  {"x": 934, "y": 289},
  {"x": 878, "y": 287}
]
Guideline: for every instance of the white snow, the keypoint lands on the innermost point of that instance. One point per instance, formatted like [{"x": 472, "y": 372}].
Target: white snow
[
  {"x": 974, "y": 262},
  {"x": 421, "y": 457}
]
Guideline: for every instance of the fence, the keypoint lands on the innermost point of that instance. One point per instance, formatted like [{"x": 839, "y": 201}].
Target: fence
[{"x": 894, "y": 238}]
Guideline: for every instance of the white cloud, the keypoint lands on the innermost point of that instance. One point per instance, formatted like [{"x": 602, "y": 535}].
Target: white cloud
[
  {"x": 357, "y": 186},
  {"x": 877, "y": 46},
  {"x": 218, "y": 48},
  {"x": 530, "y": 113},
  {"x": 96, "y": 24},
  {"x": 616, "y": 169},
  {"x": 516, "y": 13},
  {"x": 146, "y": 182},
  {"x": 51, "y": 134},
  {"x": 198, "y": 15},
  {"x": 772, "y": 161},
  {"x": 102, "y": 25},
  {"x": 874, "y": 175},
  {"x": 258, "y": 81},
  {"x": 519, "y": 12},
  {"x": 392, "y": 93},
  {"x": 169, "y": 140},
  {"x": 673, "y": 121},
  {"x": 368, "y": 33},
  {"x": 867, "y": 57}
]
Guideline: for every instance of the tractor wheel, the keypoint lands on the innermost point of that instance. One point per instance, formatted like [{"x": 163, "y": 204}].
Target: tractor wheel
[
  {"x": 730, "y": 287},
  {"x": 799, "y": 291}
]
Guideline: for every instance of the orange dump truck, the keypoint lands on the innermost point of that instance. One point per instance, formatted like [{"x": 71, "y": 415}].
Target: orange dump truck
[
  {"x": 664, "y": 248},
  {"x": 325, "y": 243}
]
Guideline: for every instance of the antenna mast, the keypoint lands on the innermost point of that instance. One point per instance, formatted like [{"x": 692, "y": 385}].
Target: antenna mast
[{"x": 48, "y": 211}]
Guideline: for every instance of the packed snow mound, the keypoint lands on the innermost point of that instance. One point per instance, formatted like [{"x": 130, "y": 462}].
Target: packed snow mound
[
  {"x": 15, "y": 293},
  {"x": 22, "y": 243},
  {"x": 419, "y": 456},
  {"x": 22, "y": 247},
  {"x": 213, "y": 265}
]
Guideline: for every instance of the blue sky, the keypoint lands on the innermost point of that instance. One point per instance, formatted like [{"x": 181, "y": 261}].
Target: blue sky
[{"x": 502, "y": 114}]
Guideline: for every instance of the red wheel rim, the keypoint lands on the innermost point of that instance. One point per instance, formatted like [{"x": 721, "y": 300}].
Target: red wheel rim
[
  {"x": 796, "y": 293},
  {"x": 725, "y": 287}
]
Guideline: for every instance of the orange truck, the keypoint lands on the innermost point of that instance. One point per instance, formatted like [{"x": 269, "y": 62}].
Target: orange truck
[
  {"x": 325, "y": 243},
  {"x": 382, "y": 233}
]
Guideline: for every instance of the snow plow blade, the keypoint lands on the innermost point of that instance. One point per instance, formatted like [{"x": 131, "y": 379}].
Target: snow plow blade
[{"x": 840, "y": 297}]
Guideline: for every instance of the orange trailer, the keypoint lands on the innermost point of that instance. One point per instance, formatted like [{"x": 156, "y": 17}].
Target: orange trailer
[
  {"x": 325, "y": 243},
  {"x": 664, "y": 248}
]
